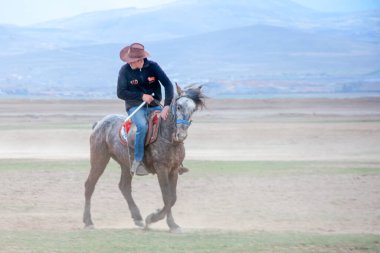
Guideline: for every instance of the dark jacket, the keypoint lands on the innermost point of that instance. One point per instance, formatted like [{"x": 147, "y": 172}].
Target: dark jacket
[{"x": 132, "y": 84}]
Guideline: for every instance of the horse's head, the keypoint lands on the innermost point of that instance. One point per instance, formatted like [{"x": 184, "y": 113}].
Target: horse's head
[{"x": 188, "y": 101}]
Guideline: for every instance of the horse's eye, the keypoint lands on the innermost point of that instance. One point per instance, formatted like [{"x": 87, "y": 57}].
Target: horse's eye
[{"x": 179, "y": 107}]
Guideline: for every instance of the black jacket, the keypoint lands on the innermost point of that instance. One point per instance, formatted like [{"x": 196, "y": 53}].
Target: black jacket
[{"x": 132, "y": 84}]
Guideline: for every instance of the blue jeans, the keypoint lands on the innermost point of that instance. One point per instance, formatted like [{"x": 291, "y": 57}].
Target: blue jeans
[{"x": 140, "y": 119}]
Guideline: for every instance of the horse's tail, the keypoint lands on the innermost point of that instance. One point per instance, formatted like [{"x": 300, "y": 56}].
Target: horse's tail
[{"x": 94, "y": 125}]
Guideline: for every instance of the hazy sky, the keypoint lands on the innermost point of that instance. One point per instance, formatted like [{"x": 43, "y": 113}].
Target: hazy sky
[
  {"x": 340, "y": 5},
  {"x": 24, "y": 12}
]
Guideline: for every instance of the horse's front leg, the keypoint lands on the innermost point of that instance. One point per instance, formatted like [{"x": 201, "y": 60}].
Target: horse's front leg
[
  {"x": 167, "y": 196},
  {"x": 173, "y": 178}
]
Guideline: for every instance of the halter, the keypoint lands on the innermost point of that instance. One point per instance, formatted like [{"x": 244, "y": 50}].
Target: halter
[
  {"x": 183, "y": 122},
  {"x": 173, "y": 109},
  {"x": 174, "y": 112}
]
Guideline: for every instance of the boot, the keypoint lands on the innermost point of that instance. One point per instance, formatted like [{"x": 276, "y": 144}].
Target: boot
[
  {"x": 182, "y": 169},
  {"x": 138, "y": 168}
]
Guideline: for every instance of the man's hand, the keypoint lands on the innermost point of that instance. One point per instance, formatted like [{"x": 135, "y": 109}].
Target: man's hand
[
  {"x": 147, "y": 98},
  {"x": 165, "y": 112}
]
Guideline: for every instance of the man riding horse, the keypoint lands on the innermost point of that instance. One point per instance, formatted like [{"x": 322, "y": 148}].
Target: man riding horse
[{"x": 139, "y": 81}]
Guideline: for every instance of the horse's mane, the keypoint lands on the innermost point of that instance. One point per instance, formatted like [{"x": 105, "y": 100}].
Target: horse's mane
[{"x": 196, "y": 95}]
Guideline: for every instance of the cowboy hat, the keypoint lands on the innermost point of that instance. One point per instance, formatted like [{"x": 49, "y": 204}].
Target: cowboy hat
[{"x": 133, "y": 52}]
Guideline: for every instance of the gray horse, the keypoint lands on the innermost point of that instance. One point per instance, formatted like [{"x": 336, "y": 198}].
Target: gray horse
[{"x": 162, "y": 157}]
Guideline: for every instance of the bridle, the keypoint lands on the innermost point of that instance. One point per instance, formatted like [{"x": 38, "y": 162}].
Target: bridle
[{"x": 182, "y": 121}]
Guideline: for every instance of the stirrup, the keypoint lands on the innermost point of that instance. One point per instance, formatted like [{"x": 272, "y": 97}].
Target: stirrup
[
  {"x": 141, "y": 171},
  {"x": 135, "y": 168}
]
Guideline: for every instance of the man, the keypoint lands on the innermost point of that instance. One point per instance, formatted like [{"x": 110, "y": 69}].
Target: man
[{"x": 139, "y": 80}]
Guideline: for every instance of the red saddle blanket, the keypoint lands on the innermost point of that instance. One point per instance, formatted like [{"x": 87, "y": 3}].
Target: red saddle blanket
[{"x": 151, "y": 136}]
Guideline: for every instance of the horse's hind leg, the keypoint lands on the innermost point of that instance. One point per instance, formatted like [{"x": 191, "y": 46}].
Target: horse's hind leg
[
  {"x": 125, "y": 187},
  {"x": 99, "y": 161}
]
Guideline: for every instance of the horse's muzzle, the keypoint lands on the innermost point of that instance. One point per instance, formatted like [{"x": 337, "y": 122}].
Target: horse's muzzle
[{"x": 180, "y": 136}]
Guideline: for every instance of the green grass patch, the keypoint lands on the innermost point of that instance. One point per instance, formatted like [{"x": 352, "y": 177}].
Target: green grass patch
[
  {"x": 49, "y": 165},
  {"x": 197, "y": 241},
  {"x": 272, "y": 168},
  {"x": 201, "y": 168},
  {"x": 40, "y": 164},
  {"x": 47, "y": 126}
]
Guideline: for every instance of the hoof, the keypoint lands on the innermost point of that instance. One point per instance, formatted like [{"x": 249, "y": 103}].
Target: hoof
[
  {"x": 89, "y": 227},
  {"x": 176, "y": 230},
  {"x": 139, "y": 223},
  {"x": 148, "y": 219}
]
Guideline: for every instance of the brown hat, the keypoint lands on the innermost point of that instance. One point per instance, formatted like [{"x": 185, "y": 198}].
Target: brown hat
[{"x": 133, "y": 53}]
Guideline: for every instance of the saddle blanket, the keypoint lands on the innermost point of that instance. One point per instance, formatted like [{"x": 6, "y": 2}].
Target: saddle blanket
[{"x": 151, "y": 136}]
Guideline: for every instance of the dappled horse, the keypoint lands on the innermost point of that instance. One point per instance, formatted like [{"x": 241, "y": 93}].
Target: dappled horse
[{"x": 163, "y": 157}]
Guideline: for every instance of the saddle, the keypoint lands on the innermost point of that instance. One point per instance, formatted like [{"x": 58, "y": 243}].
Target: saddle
[{"x": 127, "y": 130}]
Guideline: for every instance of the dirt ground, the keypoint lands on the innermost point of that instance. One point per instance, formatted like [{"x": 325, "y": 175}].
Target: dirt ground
[{"x": 339, "y": 130}]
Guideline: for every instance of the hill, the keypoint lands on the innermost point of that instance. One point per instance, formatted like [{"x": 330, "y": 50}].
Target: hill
[{"x": 254, "y": 46}]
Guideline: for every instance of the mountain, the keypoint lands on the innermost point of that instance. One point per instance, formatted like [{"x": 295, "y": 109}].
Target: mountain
[
  {"x": 191, "y": 17},
  {"x": 179, "y": 19},
  {"x": 234, "y": 47}
]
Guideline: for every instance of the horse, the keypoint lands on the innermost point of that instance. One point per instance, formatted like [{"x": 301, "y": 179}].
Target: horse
[{"x": 162, "y": 157}]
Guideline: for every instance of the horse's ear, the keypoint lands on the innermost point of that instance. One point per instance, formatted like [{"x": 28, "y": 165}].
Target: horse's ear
[
  {"x": 200, "y": 87},
  {"x": 179, "y": 90}
]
